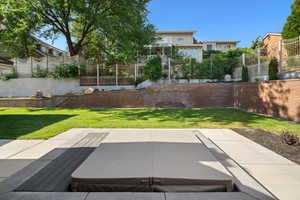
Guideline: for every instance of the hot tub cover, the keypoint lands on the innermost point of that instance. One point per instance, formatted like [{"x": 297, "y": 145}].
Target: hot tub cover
[{"x": 130, "y": 162}]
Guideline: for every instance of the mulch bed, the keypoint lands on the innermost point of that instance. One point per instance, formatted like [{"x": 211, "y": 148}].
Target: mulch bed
[{"x": 272, "y": 142}]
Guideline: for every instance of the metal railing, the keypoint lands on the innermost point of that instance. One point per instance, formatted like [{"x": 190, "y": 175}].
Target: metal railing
[{"x": 290, "y": 54}]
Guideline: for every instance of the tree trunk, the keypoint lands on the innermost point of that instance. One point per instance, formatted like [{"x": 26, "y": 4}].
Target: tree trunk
[{"x": 73, "y": 49}]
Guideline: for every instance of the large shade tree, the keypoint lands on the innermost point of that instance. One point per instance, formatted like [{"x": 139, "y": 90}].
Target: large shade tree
[
  {"x": 292, "y": 27},
  {"x": 83, "y": 23}
]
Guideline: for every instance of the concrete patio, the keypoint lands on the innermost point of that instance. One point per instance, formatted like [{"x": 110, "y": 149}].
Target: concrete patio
[{"x": 258, "y": 172}]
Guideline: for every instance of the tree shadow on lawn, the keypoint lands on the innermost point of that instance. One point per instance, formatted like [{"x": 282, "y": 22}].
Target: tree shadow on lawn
[
  {"x": 218, "y": 116},
  {"x": 15, "y": 126}
]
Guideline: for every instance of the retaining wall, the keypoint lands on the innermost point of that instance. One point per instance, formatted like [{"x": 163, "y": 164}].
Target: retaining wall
[
  {"x": 275, "y": 98},
  {"x": 173, "y": 95}
]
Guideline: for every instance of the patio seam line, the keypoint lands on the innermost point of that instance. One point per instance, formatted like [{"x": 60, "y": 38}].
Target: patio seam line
[
  {"x": 86, "y": 196},
  {"x": 165, "y": 195},
  {"x": 233, "y": 161},
  {"x": 199, "y": 135},
  {"x": 25, "y": 149}
]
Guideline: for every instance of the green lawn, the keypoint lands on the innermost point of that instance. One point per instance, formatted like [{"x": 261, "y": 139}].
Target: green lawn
[{"x": 24, "y": 123}]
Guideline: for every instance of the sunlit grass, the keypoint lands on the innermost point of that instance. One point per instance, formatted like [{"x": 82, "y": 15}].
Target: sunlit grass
[{"x": 34, "y": 123}]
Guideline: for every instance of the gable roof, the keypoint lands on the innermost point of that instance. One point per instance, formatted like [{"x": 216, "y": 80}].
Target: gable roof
[
  {"x": 176, "y": 32},
  {"x": 271, "y": 33},
  {"x": 219, "y": 41},
  {"x": 48, "y": 45},
  {"x": 5, "y": 61}
]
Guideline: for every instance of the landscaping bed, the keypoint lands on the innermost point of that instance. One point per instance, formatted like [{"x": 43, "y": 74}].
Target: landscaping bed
[{"x": 272, "y": 142}]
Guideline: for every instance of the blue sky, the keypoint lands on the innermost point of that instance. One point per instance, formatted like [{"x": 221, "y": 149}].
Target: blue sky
[{"x": 242, "y": 20}]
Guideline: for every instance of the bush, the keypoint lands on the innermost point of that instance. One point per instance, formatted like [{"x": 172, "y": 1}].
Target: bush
[
  {"x": 188, "y": 68},
  {"x": 153, "y": 69},
  {"x": 273, "y": 69},
  {"x": 7, "y": 76},
  {"x": 165, "y": 76},
  {"x": 290, "y": 139},
  {"x": 40, "y": 73},
  {"x": 65, "y": 71},
  {"x": 245, "y": 75}
]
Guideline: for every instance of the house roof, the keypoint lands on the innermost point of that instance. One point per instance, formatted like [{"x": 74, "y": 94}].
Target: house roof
[
  {"x": 189, "y": 45},
  {"x": 220, "y": 41},
  {"x": 5, "y": 61},
  {"x": 174, "y": 32},
  {"x": 271, "y": 33},
  {"x": 48, "y": 45}
]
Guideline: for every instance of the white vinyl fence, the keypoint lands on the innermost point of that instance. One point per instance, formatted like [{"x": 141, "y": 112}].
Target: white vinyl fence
[
  {"x": 25, "y": 87},
  {"x": 257, "y": 64},
  {"x": 25, "y": 67}
]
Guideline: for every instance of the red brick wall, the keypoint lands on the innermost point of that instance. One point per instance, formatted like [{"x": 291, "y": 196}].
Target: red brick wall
[
  {"x": 25, "y": 102},
  {"x": 175, "y": 95},
  {"x": 108, "y": 99},
  {"x": 190, "y": 95},
  {"x": 276, "y": 98}
]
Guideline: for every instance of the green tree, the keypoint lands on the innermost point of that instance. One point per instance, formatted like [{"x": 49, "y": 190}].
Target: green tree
[
  {"x": 257, "y": 43},
  {"x": 153, "y": 69},
  {"x": 76, "y": 20},
  {"x": 245, "y": 74},
  {"x": 273, "y": 69},
  {"x": 15, "y": 38},
  {"x": 187, "y": 67},
  {"x": 124, "y": 49},
  {"x": 291, "y": 28}
]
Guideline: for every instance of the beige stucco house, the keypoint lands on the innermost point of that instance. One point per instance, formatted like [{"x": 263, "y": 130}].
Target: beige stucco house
[
  {"x": 219, "y": 45},
  {"x": 184, "y": 41},
  {"x": 45, "y": 49},
  {"x": 187, "y": 44}
]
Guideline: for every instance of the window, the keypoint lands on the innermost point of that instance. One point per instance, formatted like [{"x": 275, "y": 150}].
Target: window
[
  {"x": 191, "y": 53},
  {"x": 180, "y": 39},
  {"x": 50, "y": 52},
  {"x": 209, "y": 47},
  {"x": 43, "y": 49},
  {"x": 39, "y": 47},
  {"x": 165, "y": 40}
]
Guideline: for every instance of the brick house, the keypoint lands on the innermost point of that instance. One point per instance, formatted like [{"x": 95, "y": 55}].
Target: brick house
[{"x": 272, "y": 45}]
